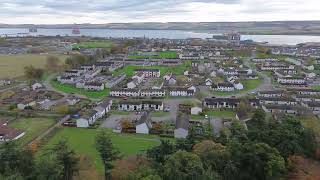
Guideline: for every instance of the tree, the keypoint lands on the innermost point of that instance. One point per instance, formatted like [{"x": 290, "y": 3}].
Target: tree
[
  {"x": 49, "y": 168},
  {"x": 67, "y": 158},
  {"x": 257, "y": 161},
  {"x": 124, "y": 167},
  {"x": 160, "y": 153},
  {"x": 33, "y": 73},
  {"x": 52, "y": 63},
  {"x": 107, "y": 152},
  {"x": 63, "y": 109},
  {"x": 183, "y": 165},
  {"x": 15, "y": 163}
]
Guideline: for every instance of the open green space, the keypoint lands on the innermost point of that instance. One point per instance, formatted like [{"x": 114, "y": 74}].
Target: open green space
[
  {"x": 249, "y": 85},
  {"x": 93, "y": 44},
  {"x": 215, "y": 114},
  {"x": 162, "y": 55},
  {"x": 33, "y": 127},
  {"x": 73, "y": 90},
  {"x": 12, "y": 66},
  {"x": 160, "y": 114},
  {"x": 82, "y": 141},
  {"x": 176, "y": 70}
]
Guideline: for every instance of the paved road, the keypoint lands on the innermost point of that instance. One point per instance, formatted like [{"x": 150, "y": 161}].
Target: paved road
[
  {"x": 21, "y": 85},
  {"x": 49, "y": 87}
]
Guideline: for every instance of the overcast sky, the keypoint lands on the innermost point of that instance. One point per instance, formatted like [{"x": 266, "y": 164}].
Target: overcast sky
[{"x": 108, "y": 11}]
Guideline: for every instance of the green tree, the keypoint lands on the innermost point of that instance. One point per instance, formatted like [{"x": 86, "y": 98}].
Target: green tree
[
  {"x": 67, "y": 158},
  {"x": 184, "y": 165},
  {"x": 107, "y": 152},
  {"x": 257, "y": 161},
  {"x": 49, "y": 168},
  {"x": 160, "y": 153}
]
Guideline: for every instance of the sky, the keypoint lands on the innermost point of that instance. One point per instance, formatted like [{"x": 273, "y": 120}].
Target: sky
[{"x": 123, "y": 11}]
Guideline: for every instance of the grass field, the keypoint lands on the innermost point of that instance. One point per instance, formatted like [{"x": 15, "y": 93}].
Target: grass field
[
  {"x": 162, "y": 55},
  {"x": 216, "y": 114},
  {"x": 93, "y": 44},
  {"x": 249, "y": 85},
  {"x": 33, "y": 127},
  {"x": 177, "y": 70},
  {"x": 13, "y": 66},
  {"x": 82, "y": 141},
  {"x": 71, "y": 89}
]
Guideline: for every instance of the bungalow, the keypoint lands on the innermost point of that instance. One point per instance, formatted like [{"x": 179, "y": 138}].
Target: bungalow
[
  {"x": 208, "y": 82},
  {"x": 273, "y": 93},
  {"x": 276, "y": 108},
  {"x": 292, "y": 81},
  {"x": 224, "y": 87},
  {"x": 148, "y": 73},
  {"x": 26, "y": 103},
  {"x": 217, "y": 103},
  {"x": 144, "y": 125},
  {"x": 73, "y": 72},
  {"x": 132, "y": 84},
  {"x": 180, "y": 91},
  {"x": 152, "y": 93},
  {"x": 140, "y": 105},
  {"x": 36, "y": 86},
  {"x": 313, "y": 106},
  {"x": 259, "y": 60},
  {"x": 125, "y": 93},
  {"x": 5, "y": 82},
  {"x": 278, "y": 100},
  {"x": 196, "y": 110},
  {"x": 94, "y": 86},
  {"x": 116, "y": 80},
  {"x": 66, "y": 79},
  {"x": 9, "y": 134},
  {"x": 182, "y": 122},
  {"x": 89, "y": 117},
  {"x": 87, "y": 67}
]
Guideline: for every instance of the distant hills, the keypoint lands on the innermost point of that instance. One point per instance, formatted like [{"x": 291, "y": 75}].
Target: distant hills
[{"x": 273, "y": 27}]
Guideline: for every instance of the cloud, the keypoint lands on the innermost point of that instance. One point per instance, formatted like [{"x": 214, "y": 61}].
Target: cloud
[{"x": 106, "y": 11}]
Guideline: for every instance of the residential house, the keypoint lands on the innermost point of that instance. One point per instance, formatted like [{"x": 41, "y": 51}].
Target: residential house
[
  {"x": 182, "y": 122},
  {"x": 224, "y": 87},
  {"x": 116, "y": 80},
  {"x": 94, "y": 86},
  {"x": 276, "y": 108},
  {"x": 28, "y": 102},
  {"x": 9, "y": 134},
  {"x": 218, "y": 103},
  {"x": 149, "y": 73},
  {"x": 180, "y": 91},
  {"x": 89, "y": 117},
  {"x": 144, "y": 105},
  {"x": 125, "y": 93},
  {"x": 144, "y": 124}
]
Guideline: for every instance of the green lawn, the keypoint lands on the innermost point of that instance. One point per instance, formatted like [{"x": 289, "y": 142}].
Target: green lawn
[
  {"x": 162, "y": 55},
  {"x": 13, "y": 66},
  {"x": 33, "y": 127},
  {"x": 249, "y": 85},
  {"x": 216, "y": 114},
  {"x": 177, "y": 70},
  {"x": 71, "y": 89},
  {"x": 82, "y": 141},
  {"x": 160, "y": 114},
  {"x": 93, "y": 44}
]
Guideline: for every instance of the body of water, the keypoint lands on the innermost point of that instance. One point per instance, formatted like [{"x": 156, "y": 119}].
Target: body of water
[{"x": 169, "y": 34}]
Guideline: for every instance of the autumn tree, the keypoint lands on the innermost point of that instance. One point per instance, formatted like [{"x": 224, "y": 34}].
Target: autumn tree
[
  {"x": 52, "y": 63},
  {"x": 33, "y": 73}
]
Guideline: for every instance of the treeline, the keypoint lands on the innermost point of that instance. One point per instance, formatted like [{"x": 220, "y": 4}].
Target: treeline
[
  {"x": 260, "y": 151},
  {"x": 265, "y": 149}
]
